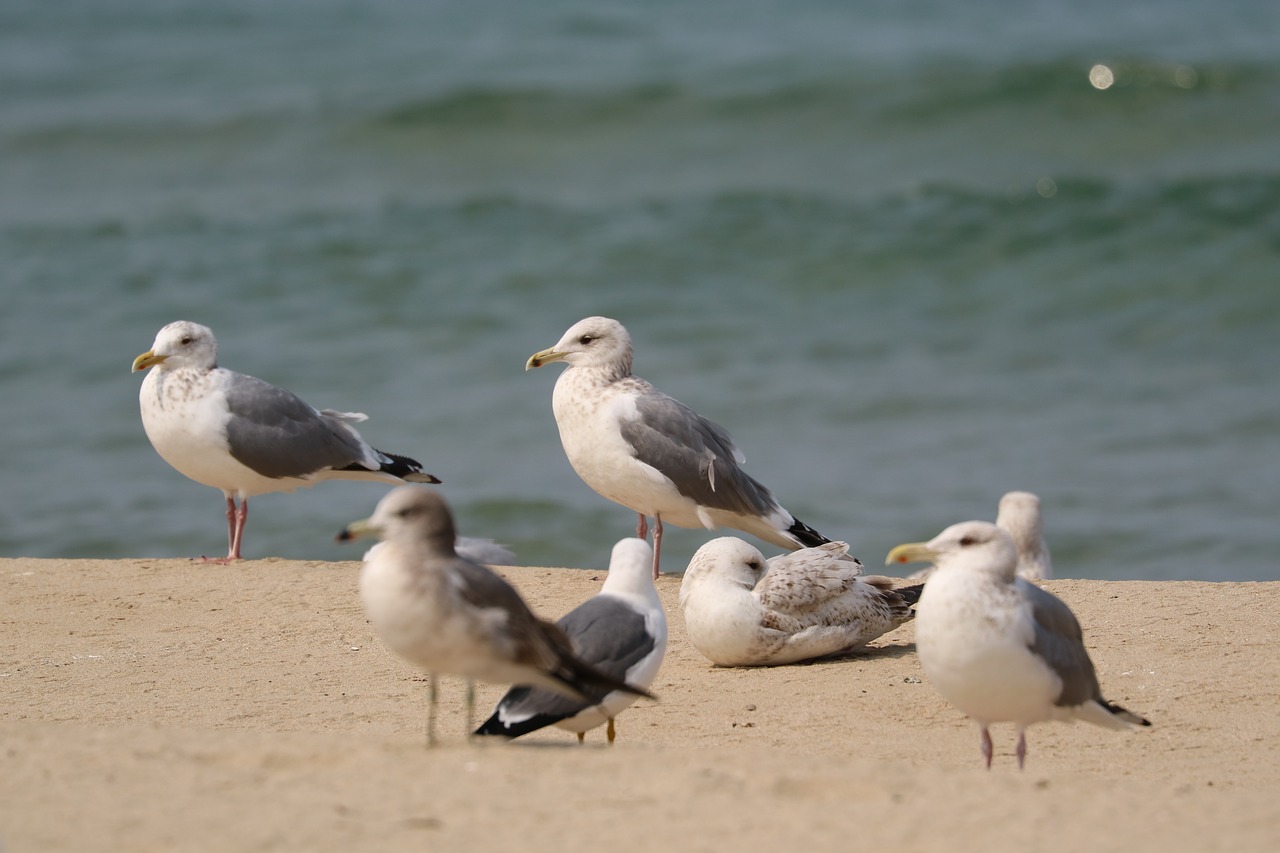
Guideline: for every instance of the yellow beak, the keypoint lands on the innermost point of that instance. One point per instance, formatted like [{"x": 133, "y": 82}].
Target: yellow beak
[
  {"x": 911, "y": 552},
  {"x": 546, "y": 356},
  {"x": 357, "y": 529},
  {"x": 147, "y": 359}
]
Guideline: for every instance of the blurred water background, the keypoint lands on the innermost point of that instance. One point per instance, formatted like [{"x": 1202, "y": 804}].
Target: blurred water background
[{"x": 911, "y": 254}]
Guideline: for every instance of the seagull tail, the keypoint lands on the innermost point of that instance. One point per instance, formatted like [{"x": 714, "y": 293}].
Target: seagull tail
[
  {"x": 409, "y": 470},
  {"x": 900, "y": 600},
  {"x": 910, "y": 594}
]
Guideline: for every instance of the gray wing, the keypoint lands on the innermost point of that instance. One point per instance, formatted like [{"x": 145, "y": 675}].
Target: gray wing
[
  {"x": 698, "y": 456},
  {"x": 528, "y": 640},
  {"x": 481, "y": 587},
  {"x": 608, "y": 634},
  {"x": 276, "y": 434},
  {"x": 1060, "y": 643},
  {"x": 605, "y": 633}
]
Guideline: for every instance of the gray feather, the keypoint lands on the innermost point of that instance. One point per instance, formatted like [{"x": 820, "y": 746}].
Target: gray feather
[
  {"x": 276, "y": 434},
  {"x": 694, "y": 454},
  {"x": 1060, "y": 643}
]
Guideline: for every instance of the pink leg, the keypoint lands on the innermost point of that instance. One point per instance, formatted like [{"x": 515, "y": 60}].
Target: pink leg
[
  {"x": 657, "y": 543},
  {"x": 642, "y": 527},
  {"x": 231, "y": 525},
  {"x": 986, "y": 746},
  {"x": 235, "y": 527},
  {"x": 1022, "y": 747},
  {"x": 241, "y": 517}
]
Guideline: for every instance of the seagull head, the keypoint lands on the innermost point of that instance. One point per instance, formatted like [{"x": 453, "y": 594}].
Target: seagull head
[
  {"x": 1019, "y": 514},
  {"x": 181, "y": 344},
  {"x": 407, "y": 513},
  {"x": 593, "y": 342},
  {"x": 630, "y": 568},
  {"x": 727, "y": 560},
  {"x": 969, "y": 545}
]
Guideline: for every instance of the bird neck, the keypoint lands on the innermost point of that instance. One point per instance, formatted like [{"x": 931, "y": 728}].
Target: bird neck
[{"x": 634, "y": 584}]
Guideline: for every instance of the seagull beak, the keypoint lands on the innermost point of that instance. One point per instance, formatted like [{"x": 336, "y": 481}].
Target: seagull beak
[
  {"x": 147, "y": 359},
  {"x": 912, "y": 552},
  {"x": 357, "y": 529},
  {"x": 547, "y": 356}
]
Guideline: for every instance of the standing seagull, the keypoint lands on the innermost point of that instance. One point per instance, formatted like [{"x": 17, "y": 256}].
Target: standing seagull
[
  {"x": 450, "y": 615},
  {"x": 244, "y": 436},
  {"x": 649, "y": 452},
  {"x": 740, "y": 610},
  {"x": 621, "y": 631},
  {"x": 998, "y": 647}
]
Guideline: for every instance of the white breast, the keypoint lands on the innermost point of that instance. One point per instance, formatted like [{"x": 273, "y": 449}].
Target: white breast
[{"x": 974, "y": 649}]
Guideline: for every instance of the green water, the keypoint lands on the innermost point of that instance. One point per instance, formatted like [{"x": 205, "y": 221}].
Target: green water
[{"x": 911, "y": 258}]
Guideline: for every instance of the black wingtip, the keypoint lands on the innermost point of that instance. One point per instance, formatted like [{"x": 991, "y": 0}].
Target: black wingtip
[
  {"x": 910, "y": 594},
  {"x": 407, "y": 469},
  {"x": 805, "y": 534},
  {"x": 1125, "y": 714},
  {"x": 494, "y": 727}
]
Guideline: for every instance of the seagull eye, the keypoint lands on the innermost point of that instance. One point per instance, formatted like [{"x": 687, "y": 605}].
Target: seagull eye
[
  {"x": 967, "y": 541},
  {"x": 585, "y": 339},
  {"x": 187, "y": 340}
]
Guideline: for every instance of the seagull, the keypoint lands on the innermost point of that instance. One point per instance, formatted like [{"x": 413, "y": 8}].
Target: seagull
[
  {"x": 621, "y": 631},
  {"x": 1019, "y": 516},
  {"x": 648, "y": 452},
  {"x": 244, "y": 436},
  {"x": 741, "y": 610},
  {"x": 998, "y": 647},
  {"x": 450, "y": 615}
]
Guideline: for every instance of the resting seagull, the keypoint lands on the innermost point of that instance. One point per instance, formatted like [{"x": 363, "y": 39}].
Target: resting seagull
[
  {"x": 649, "y": 452},
  {"x": 741, "y": 610},
  {"x": 998, "y": 647},
  {"x": 244, "y": 436},
  {"x": 621, "y": 631},
  {"x": 450, "y": 615},
  {"x": 1019, "y": 516}
]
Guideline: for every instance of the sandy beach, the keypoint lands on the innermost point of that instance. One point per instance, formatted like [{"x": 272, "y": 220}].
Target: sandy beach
[{"x": 169, "y": 705}]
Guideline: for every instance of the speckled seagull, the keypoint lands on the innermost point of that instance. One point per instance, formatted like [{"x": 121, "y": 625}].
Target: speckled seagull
[{"x": 649, "y": 452}]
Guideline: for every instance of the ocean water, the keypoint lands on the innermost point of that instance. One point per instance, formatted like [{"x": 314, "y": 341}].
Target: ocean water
[{"x": 912, "y": 257}]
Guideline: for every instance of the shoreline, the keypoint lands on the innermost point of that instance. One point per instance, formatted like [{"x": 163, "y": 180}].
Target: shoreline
[{"x": 167, "y": 703}]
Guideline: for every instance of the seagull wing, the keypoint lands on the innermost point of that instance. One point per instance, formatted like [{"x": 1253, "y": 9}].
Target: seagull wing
[
  {"x": 277, "y": 434},
  {"x": 695, "y": 454},
  {"x": 1059, "y": 642}
]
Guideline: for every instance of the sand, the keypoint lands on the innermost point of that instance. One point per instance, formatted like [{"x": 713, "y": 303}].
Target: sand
[{"x": 169, "y": 705}]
